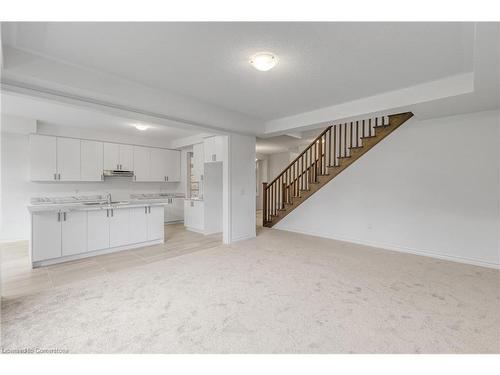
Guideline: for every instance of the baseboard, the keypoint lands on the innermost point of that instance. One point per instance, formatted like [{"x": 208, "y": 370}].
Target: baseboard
[
  {"x": 68, "y": 258},
  {"x": 242, "y": 238},
  {"x": 401, "y": 249}
]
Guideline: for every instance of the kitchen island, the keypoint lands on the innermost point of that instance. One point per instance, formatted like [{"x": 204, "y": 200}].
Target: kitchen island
[{"x": 67, "y": 231}]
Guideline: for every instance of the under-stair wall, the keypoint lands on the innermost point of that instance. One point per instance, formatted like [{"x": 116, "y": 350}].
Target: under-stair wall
[{"x": 431, "y": 188}]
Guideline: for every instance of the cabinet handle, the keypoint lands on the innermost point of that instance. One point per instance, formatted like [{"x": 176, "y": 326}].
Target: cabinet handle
[
  {"x": 167, "y": 178},
  {"x": 107, "y": 212},
  {"x": 164, "y": 178},
  {"x": 55, "y": 176},
  {"x": 145, "y": 210},
  {"x": 112, "y": 213},
  {"x": 64, "y": 216},
  {"x": 213, "y": 157},
  {"x": 58, "y": 216},
  {"x": 149, "y": 209}
]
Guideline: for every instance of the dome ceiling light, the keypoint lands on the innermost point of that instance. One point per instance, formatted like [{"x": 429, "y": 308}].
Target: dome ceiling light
[{"x": 264, "y": 61}]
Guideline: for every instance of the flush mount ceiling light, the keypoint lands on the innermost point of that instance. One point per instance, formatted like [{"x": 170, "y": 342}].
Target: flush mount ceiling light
[
  {"x": 141, "y": 127},
  {"x": 264, "y": 61}
]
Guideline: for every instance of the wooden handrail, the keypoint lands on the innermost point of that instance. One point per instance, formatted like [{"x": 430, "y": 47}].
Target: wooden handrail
[{"x": 301, "y": 154}]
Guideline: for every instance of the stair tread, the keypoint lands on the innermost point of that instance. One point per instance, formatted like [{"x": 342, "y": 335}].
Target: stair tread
[{"x": 369, "y": 136}]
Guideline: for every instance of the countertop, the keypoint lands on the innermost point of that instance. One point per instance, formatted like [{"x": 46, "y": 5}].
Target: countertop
[{"x": 85, "y": 207}]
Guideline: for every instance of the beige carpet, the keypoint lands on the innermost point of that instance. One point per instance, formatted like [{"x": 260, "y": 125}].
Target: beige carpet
[{"x": 278, "y": 293}]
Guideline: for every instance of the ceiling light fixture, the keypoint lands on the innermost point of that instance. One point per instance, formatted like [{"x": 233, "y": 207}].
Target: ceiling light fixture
[
  {"x": 264, "y": 61},
  {"x": 141, "y": 127}
]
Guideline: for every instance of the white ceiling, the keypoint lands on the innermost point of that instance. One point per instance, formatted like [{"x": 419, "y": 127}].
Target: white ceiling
[
  {"x": 321, "y": 64},
  {"x": 59, "y": 114}
]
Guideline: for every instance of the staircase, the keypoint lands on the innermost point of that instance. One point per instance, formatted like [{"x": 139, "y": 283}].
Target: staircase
[{"x": 335, "y": 149}]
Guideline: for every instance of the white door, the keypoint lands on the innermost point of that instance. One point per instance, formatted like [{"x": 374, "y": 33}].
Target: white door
[
  {"x": 111, "y": 156},
  {"x": 68, "y": 159},
  {"x": 155, "y": 223},
  {"x": 126, "y": 157},
  {"x": 74, "y": 232},
  {"x": 119, "y": 227},
  {"x": 159, "y": 164},
  {"x": 91, "y": 160},
  {"x": 97, "y": 230},
  {"x": 138, "y": 224},
  {"x": 142, "y": 164},
  {"x": 43, "y": 158},
  {"x": 173, "y": 165},
  {"x": 46, "y": 236}
]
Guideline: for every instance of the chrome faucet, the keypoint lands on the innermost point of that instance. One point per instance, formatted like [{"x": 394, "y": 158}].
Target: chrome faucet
[{"x": 108, "y": 198}]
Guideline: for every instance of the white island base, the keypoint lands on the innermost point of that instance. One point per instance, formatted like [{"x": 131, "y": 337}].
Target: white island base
[{"x": 65, "y": 234}]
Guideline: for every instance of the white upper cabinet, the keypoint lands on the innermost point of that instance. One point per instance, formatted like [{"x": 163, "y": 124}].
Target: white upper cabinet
[
  {"x": 159, "y": 159},
  {"x": 126, "y": 157},
  {"x": 43, "y": 158},
  {"x": 213, "y": 149},
  {"x": 91, "y": 160},
  {"x": 173, "y": 165},
  {"x": 111, "y": 156},
  {"x": 118, "y": 157},
  {"x": 54, "y": 158},
  {"x": 142, "y": 163},
  {"x": 68, "y": 159}
]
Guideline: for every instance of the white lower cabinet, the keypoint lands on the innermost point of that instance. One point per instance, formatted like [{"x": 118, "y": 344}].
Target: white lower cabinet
[
  {"x": 97, "y": 230},
  {"x": 74, "y": 232},
  {"x": 155, "y": 221},
  {"x": 45, "y": 236},
  {"x": 174, "y": 210},
  {"x": 59, "y": 234},
  {"x": 138, "y": 224},
  {"x": 119, "y": 226}
]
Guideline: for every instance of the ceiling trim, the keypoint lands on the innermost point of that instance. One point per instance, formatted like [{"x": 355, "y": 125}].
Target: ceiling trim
[{"x": 17, "y": 87}]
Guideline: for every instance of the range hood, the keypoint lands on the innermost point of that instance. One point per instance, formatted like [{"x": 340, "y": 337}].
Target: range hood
[{"x": 117, "y": 173}]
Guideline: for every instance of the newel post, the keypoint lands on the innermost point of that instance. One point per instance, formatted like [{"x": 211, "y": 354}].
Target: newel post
[{"x": 264, "y": 203}]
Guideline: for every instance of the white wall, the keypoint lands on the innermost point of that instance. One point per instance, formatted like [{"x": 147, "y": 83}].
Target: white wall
[
  {"x": 277, "y": 163},
  {"x": 241, "y": 183},
  {"x": 432, "y": 187},
  {"x": 16, "y": 189}
]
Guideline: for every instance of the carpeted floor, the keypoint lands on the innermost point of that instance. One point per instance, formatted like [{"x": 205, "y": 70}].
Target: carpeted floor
[{"x": 278, "y": 293}]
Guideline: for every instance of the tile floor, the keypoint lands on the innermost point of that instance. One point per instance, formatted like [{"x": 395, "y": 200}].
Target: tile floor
[{"x": 17, "y": 277}]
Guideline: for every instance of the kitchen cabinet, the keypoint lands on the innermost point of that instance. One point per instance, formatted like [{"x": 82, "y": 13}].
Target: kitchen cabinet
[
  {"x": 91, "y": 155},
  {"x": 174, "y": 210},
  {"x": 74, "y": 232},
  {"x": 57, "y": 235},
  {"x": 155, "y": 219},
  {"x": 43, "y": 158},
  {"x": 158, "y": 164},
  {"x": 173, "y": 165},
  {"x": 97, "y": 230},
  {"x": 138, "y": 224},
  {"x": 45, "y": 235},
  {"x": 119, "y": 227},
  {"x": 213, "y": 149},
  {"x": 118, "y": 157},
  {"x": 68, "y": 159},
  {"x": 198, "y": 162},
  {"x": 194, "y": 215},
  {"x": 142, "y": 163}
]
